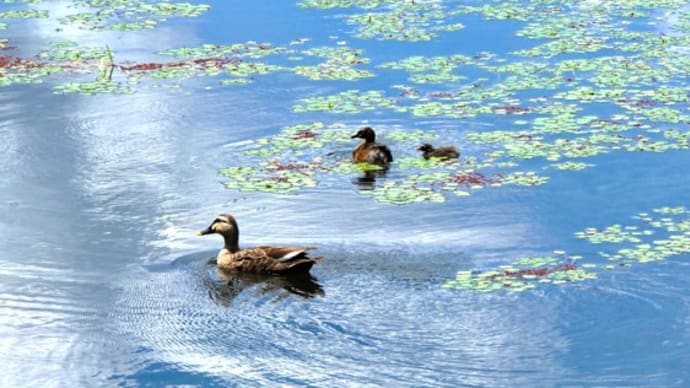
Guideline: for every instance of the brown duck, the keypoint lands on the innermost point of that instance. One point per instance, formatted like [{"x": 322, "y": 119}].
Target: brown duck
[
  {"x": 264, "y": 259},
  {"x": 441, "y": 152},
  {"x": 369, "y": 150}
]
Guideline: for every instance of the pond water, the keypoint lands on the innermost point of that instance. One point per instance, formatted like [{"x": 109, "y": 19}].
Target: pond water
[{"x": 555, "y": 252}]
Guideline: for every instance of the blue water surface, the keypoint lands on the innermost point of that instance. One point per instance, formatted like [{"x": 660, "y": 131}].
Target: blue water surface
[{"x": 104, "y": 283}]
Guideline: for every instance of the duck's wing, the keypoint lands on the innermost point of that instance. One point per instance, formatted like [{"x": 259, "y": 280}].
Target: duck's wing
[
  {"x": 274, "y": 259},
  {"x": 446, "y": 152},
  {"x": 285, "y": 254},
  {"x": 380, "y": 154}
]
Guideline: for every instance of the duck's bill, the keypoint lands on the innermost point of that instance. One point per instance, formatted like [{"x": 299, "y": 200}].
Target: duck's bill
[
  {"x": 356, "y": 135},
  {"x": 204, "y": 232}
]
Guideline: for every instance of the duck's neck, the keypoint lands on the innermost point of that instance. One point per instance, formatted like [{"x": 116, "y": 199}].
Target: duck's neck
[{"x": 232, "y": 242}]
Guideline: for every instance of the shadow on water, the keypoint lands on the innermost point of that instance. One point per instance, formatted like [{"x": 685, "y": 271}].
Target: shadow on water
[
  {"x": 224, "y": 286},
  {"x": 367, "y": 180},
  {"x": 231, "y": 284}
]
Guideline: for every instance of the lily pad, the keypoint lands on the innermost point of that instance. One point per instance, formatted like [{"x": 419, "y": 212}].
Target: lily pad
[
  {"x": 521, "y": 275},
  {"x": 90, "y": 88},
  {"x": 350, "y": 101},
  {"x": 130, "y": 15},
  {"x": 24, "y": 14}
]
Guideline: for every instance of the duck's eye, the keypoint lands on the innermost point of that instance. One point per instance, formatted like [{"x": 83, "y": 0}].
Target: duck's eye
[{"x": 218, "y": 220}]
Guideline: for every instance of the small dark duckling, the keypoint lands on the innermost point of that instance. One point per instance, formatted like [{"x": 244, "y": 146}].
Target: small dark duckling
[
  {"x": 441, "y": 152},
  {"x": 369, "y": 150},
  {"x": 264, "y": 259}
]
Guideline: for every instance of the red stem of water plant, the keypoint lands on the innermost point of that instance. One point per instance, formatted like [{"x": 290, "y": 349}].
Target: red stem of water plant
[{"x": 534, "y": 271}]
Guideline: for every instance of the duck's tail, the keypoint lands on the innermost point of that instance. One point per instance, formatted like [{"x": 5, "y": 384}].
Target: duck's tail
[{"x": 302, "y": 265}]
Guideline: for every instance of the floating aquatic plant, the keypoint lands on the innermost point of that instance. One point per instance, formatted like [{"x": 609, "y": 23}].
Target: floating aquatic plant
[
  {"x": 130, "y": 15},
  {"x": 415, "y": 188},
  {"x": 671, "y": 210},
  {"x": 521, "y": 275},
  {"x": 347, "y": 167},
  {"x": 102, "y": 86},
  {"x": 418, "y": 163},
  {"x": 297, "y": 137},
  {"x": 64, "y": 58},
  {"x": 298, "y": 143},
  {"x": 237, "y": 61},
  {"x": 572, "y": 166},
  {"x": 339, "y": 65},
  {"x": 433, "y": 186},
  {"x": 612, "y": 234},
  {"x": 350, "y": 101},
  {"x": 68, "y": 51},
  {"x": 644, "y": 245},
  {"x": 249, "y": 49},
  {"x": 440, "y": 69},
  {"x": 417, "y": 136},
  {"x": 671, "y": 234},
  {"x": 24, "y": 14},
  {"x": 521, "y": 178},
  {"x": 325, "y": 4},
  {"x": 395, "y": 20},
  {"x": 275, "y": 177},
  {"x": 16, "y": 70},
  {"x": 303, "y": 142},
  {"x": 546, "y": 99}
]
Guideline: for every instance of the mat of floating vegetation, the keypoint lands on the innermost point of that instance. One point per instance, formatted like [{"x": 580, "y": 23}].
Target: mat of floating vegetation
[
  {"x": 238, "y": 64},
  {"x": 234, "y": 64},
  {"x": 129, "y": 15},
  {"x": 293, "y": 159},
  {"x": 523, "y": 274},
  {"x": 663, "y": 233},
  {"x": 659, "y": 235},
  {"x": 548, "y": 96},
  {"x": 63, "y": 59},
  {"x": 637, "y": 74},
  {"x": 120, "y": 15},
  {"x": 393, "y": 20}
]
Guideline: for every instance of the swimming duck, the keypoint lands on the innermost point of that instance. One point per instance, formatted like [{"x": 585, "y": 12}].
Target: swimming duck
[
  {"x": 369, "y": 150},
  {"x": 441, "y": 152},
  {"x": 263, "y": 259}
]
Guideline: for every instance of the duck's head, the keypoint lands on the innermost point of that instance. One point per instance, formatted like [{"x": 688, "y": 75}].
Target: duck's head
[
  {"x": 425, "y": 147},
  {"x": 224, "y": 224},
  {"x": 365, "y": 133}
]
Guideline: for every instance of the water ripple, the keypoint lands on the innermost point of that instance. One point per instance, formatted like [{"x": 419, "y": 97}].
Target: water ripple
[{"x": 257, "y": 330}]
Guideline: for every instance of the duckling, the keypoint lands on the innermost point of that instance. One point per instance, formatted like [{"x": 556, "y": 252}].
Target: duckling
[
  {"x": 441, "y": 152},
  {"x": 263, "y": 259},
  {"x": 369, "y": 150}
]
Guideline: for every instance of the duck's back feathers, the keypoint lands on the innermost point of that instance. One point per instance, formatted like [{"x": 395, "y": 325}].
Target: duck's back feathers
[
  {"x": 446, "y": 152},
  {"x": 374, "y": 153},
  {"x": 267, "y": 259},
  {"x": 382, "y": 155},
  {"x": 442, "y": 152}
]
